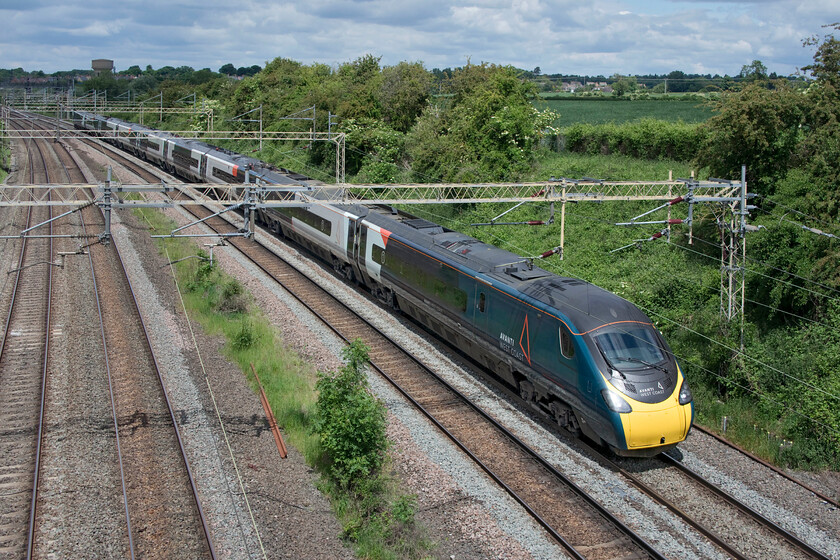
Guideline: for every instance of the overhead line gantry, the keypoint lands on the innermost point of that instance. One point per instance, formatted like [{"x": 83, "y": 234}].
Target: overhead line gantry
[{"x": 728, "y": 197}]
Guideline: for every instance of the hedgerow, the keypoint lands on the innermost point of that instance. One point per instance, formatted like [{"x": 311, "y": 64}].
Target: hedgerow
[{"x": 644, "y": 138}]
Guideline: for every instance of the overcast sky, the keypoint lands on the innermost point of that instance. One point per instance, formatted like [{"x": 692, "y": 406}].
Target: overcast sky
[{"x": 594, "y": 37}]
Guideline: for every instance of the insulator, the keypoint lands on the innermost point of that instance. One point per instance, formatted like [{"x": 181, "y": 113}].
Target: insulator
[{"x": 551, "y": 252}]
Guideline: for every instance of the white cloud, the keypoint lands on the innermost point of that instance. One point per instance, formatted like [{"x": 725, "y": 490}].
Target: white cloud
[
  {"x": 99, "y": 29},
  {"x": 559, "y": 36}
]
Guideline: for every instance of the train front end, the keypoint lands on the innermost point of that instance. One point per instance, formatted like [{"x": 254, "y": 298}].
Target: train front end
[{"x": 644, "y": 389}]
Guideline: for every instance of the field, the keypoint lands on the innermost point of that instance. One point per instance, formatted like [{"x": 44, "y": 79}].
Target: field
[{"x": 603, "y": 110}]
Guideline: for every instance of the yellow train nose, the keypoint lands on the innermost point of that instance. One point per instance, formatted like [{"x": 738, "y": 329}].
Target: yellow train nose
[{"x": 653, "y": 428}]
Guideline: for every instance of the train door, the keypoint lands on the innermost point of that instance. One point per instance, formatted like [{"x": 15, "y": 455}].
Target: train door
[
  {"x": 481, "y": 308},
  {"x": 202, "y": 167},
  {"x": 360, "y": 249},
  {"x": 354, "y": 234}
]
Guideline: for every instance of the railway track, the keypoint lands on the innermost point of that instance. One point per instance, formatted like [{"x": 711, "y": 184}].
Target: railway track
[
  {"x": 24, "y": 357},
  {"x": 573, "y": 519},
  {"x": 688, "y": 495},
  {"x": 827, "y": 499},
  {"x": 162, "y": 513},
  {"x": 66, "y": 156}
]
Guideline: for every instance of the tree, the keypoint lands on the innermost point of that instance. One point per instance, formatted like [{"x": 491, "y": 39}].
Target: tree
[
  {"x": 487, "y": 130},
  {"x": 202, "y": 76},
  {"x": 624, "y": 84},
  {"x": 404, "y": 94},
  {"x": 756, "y": 127},
  {"x": 677, "y": 82},
  {"x": 106, "y": 82},
  {"x": 826, "y": 66},
  {"x": 360, "y": 85},
  {"x": 790, "y": 143},
  {"x": 228, "y": 69},
  {"x": 755, "y": 71},
  {"x": 820, "y": 149}
]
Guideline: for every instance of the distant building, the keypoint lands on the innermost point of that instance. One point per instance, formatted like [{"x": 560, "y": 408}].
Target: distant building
[{"x": 102, "y": 65}]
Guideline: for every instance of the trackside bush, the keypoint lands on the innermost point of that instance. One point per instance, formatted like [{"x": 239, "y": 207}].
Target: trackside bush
[
  {"x": 644, "y": 138},
  {"x": 351, "y": 421}
]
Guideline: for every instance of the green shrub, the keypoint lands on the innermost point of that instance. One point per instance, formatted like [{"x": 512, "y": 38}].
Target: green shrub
[
  {"x": 245, "y": 338},
  {"x": 232, "y": 298},
  {"x": 351, "y": 422},
  {"x": 203, "y": 277}
]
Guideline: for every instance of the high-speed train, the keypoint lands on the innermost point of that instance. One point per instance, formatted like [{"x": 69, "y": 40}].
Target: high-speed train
[{"x": 585, "y": 357}]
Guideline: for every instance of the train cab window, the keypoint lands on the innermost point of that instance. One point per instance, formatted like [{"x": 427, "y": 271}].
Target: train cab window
[
  {"x": 482, "y": 302},
  {"x": 567, "y": 348}
]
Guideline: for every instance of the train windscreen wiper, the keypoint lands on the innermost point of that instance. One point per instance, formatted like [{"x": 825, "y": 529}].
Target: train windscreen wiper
[{"x": 643, "y": 362}]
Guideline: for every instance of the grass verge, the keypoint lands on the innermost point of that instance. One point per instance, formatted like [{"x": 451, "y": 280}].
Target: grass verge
[
  {"x": 5, "y": 160},
  {"x": 377, "y": 522}
]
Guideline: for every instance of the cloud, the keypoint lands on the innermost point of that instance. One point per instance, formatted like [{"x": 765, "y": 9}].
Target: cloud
[{"x": 560, "y": 36}]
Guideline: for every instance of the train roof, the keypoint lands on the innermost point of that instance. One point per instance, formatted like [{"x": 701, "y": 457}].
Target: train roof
[
  {"x": 266, "y": 172},
  {"x": 587, "y": 305}
]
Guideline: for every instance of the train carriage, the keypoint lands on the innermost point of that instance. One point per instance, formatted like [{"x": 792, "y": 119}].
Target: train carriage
[{"x": 586, "y": 357}]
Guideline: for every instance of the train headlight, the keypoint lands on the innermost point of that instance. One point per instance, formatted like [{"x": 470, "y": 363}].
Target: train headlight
[
  {"x": 685, "y": 393},
  {"x": 615, "y": 402}
]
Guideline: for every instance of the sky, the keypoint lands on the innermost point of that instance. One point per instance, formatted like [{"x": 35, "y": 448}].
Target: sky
[{"x": 583, "y": 37}]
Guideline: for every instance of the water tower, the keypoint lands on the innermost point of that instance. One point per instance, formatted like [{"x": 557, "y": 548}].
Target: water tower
[{"x": 101, "y": 65}]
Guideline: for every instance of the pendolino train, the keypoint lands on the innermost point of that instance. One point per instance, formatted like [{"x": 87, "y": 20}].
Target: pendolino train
[{"x": 583, "y": 356}]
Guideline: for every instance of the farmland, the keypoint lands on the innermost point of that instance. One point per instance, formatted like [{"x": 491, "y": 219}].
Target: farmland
[{"x": 599, "y": 110}]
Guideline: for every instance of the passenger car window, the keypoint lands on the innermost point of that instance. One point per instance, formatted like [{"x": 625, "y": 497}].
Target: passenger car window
[{"x": 567, "y": 348}]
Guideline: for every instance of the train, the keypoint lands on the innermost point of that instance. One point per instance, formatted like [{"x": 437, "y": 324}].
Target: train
[
  {"x": 582, "y": 356},
  {"x": 191, "y": 159}
]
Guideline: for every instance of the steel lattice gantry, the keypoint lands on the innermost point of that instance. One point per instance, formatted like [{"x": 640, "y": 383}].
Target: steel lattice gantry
[{"x": 727, "y": 197}]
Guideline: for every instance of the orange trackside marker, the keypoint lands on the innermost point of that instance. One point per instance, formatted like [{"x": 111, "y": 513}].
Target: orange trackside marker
[
  {"x": 526, "y": 335},
  {"x": 272, "y": 422}
]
